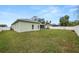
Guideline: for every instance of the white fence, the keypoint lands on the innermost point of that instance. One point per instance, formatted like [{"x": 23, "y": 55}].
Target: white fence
[
  {"x": 75, "y": 28},
  {"x": 4, "y": 28},
  {"x": 62, "y": 27}
]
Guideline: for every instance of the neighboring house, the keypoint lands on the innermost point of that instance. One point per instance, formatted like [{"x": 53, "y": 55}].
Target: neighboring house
[
  {"x": 23, "y": 25},
  {"x": 4, "y": 27}
]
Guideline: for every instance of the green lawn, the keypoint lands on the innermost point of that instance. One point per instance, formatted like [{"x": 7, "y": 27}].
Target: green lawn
[{"x": 39, "y": 41}]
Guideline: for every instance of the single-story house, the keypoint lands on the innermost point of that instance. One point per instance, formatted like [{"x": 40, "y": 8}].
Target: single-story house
[
  {"x": 23, "y": 25},
  {"x": 4, "y": 27}
]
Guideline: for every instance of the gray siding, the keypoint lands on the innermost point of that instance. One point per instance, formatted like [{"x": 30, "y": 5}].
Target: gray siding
[{"x": 25, "y": 26}]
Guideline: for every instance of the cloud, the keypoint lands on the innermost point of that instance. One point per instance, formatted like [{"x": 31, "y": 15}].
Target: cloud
[
  {"x": 54, "y": 13},
  {"x": 50, "y": 10},
  {"x": 10, "y": 14},
  {"x": 73, "y": 10},
  {"x": 35, "y": 7},
  {"x": 50, "y": 13},
  {"x": 9, "y": 17}
]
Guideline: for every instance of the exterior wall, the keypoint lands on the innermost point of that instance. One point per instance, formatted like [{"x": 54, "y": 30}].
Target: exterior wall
[
  {"x": 25, "y": 26},
  {"x": 16, "y": 27}
]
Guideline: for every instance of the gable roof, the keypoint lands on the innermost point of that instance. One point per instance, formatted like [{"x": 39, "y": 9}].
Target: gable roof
[{"x": 26, "y": 20}]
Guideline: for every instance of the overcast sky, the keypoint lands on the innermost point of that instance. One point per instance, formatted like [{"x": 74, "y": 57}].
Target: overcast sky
[{"x": 9, "y": 13}]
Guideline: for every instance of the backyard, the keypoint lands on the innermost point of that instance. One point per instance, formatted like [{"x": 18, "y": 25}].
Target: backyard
[{"x": 43, "y": 41}]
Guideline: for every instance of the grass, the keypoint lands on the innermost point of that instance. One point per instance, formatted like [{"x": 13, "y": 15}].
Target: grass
[{"x": 45, "y": 41}]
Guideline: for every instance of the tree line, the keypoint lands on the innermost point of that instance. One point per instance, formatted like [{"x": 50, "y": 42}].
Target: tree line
[{"x": 64, "y": 21}]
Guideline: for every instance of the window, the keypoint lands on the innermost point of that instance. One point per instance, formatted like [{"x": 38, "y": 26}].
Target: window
[{"x": 32, "y": 26}]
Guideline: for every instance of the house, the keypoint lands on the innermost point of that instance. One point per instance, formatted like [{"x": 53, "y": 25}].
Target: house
[
  {"x": 23, "y": 25},
  {"x": 4, "y": 27}
]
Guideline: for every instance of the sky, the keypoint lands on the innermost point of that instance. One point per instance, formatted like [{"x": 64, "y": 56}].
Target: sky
[{"x": 10, "y": 13}]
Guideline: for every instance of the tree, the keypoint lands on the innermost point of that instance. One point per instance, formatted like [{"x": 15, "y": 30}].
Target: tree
[
  {"x": 76, "y": 22},
  {"x": 35, "y": 18},
  {"x": 47, "y": 22},
  {"x": 64, "y": 21},
  {"x": 41, "y": 20},
  {"x": 66, "y": 17},
  {"x": 50, "y": 21}
]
